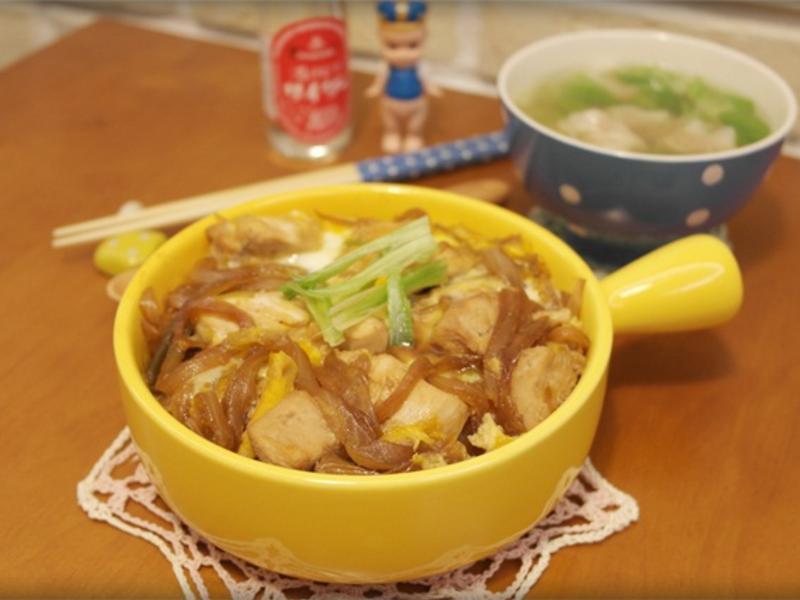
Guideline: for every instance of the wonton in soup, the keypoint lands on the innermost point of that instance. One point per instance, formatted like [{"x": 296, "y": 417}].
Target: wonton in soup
[{"x": 645, "y": 109}]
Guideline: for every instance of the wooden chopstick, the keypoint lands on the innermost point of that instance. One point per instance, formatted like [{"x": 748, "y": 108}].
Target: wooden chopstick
[
  {"x": 182, "y": 211},
  {"x": 399, "y": 167}
]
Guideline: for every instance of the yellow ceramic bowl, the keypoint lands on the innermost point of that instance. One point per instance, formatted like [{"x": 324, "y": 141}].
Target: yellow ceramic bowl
[{"x": 405, "y": 526}]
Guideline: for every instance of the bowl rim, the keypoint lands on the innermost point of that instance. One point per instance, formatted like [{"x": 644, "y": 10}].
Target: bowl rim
[
  {"x": 127, "y": 315},
  {"x": 776, "y": 136}
]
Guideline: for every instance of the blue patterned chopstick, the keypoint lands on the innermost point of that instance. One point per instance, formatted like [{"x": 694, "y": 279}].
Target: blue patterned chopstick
[{"x": 443, "y": 157}]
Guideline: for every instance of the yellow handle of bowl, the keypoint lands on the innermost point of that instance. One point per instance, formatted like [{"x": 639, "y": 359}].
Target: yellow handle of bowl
[{"x": 691, "y": 283}]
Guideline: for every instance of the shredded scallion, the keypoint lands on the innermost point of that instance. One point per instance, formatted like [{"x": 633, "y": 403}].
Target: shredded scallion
[
  {"x": 358, "y": 307},
  {"x": 401, "y": 324},
  {"x": 400, "y": 236},
  {"x": 345, "y": 302}
]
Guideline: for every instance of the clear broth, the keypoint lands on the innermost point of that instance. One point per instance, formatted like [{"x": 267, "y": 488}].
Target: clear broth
[{"x": 647, "y": 109}]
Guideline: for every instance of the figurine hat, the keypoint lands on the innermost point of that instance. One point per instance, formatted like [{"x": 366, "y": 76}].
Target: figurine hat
[{"x": 398, "y": 13}]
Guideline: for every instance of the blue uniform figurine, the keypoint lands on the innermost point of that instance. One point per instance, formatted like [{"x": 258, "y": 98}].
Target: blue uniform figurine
[
  {"x": 404, "y": 102},
  {"x": 403, "y": 84}
]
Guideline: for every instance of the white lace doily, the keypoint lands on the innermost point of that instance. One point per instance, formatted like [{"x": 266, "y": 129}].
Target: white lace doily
[{"x": 118, "y": 492}]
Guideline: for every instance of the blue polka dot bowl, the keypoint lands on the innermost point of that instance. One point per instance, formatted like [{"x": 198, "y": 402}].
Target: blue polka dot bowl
[{"x": 614, "y": 205}]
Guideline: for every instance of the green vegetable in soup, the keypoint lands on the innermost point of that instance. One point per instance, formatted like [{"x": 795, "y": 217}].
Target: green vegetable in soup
[
  {"x": 647, "y": 109},
  {"x": 748, "y": 126},
  {"x": 654, "y": 89},
  {"x": 582, "y": 92},
  {"x": 736, "y": 111}
]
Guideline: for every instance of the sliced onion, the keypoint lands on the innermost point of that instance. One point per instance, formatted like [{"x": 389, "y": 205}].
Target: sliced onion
[
  {"x": 173, "y": 355},
  {"x": 305, "y": 379},
  {"x": 570, "y": 336},
  {"x": 513, "y": 315},
  {"x": 510, "y": 305},
  {"x": 456, "y": 362},
  {"x": 151, "y": 316},
  {"x": 575, "y": 302},
  {"x": 157, "y": 359},
  {"x": 336, "y": 465},
  {"x": 220, "y": 308},
  {"x": 391, "y": 404},
  {"x": 206, "y": 273},
  {"x": 212, "y": 357},
  {"x": 208, "y": 280},
  {"x": 471, "y": 394},
  {"x": 507, "y": 415},
  {"x": 500, "y": 264},
  {"x": 339, "y": 220},
  {"x": 380, "y": 455},
  {"x": 221, "y": 431},
  {"x": 350, "y": 383},
  {"x": 240, "y": 393},
  {"x": 175, "y": 402},
  {"x": 196, "y": 417},
  {"x": 410, "y": 215},
  {"x": 359, "y": 440},
  {"x": 265, "y": 283},
  {"x": 338, "y": 419},
  {"x": 529, "y": 333}
]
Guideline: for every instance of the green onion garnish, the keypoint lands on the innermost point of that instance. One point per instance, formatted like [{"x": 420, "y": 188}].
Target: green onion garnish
[
  {"x": 344, "y": 303},
  {"x": 359, "y": 306},
  {"x": 407, "y": 233},
  {"x": 319, "y": 309},
  {"x": 401, "y": 324}
]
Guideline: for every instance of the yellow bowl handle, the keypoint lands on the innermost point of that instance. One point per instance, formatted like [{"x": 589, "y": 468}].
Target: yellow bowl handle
[{"x": 691, "y": 283}]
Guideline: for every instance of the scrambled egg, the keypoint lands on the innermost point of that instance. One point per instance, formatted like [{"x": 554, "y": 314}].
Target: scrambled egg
[
  {"x": 422, "y": 432},
  {"x": 489, "y": 434},
  {"x": 428, "y": 460},
  {"x": 317, "y": 259}
]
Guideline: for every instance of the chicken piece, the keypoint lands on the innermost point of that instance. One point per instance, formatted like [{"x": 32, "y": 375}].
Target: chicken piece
[
  {"x": 542, "y": 379},
  {"x": 270, "y": 311},
  {"x": 293, "y": 434},
  {"x": 438, "y": 414},
  {"x": 385, "y": 373},
  {"x": 265, "y": 236},
  {"x": 370, "y": 334},
  {"x": 429, "y": 404},
  {"x": 467, "y": 324},
  {"x": 459, "y": 259}
]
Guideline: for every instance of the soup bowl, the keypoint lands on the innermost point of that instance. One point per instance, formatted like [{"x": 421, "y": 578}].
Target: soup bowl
[
  {"x": 369, "y": 529},
  {"x": 609, "y": 200}
]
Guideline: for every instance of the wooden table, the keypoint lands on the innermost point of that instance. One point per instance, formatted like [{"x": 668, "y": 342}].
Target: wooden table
[{"x": 702, "y": 428}]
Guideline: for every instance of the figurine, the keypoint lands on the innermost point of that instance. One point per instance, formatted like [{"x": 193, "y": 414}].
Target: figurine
[{"x": 404, "y": 104}]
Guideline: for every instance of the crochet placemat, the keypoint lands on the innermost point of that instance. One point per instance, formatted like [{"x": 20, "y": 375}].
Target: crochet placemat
[{"x": 118, "y": 491}]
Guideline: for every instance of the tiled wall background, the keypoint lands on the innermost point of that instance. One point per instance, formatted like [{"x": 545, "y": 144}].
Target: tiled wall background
[{"x": 468, "y": 38}]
